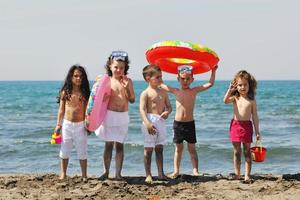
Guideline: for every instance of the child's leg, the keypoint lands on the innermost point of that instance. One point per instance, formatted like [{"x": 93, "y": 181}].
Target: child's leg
[
  {"x": 119, "y": 159},
  {"x": 83, "y": 165},
  {"x": 177, "y": 158},
  {"x": 65, "y": 150},
  {"x": 107, "y": 155},
  {"x": 248, "y": 160},
  {"x": 237, "y": 158},
  {"x": 194, "y": 158},
  {"x": 80, "y": 142},
  {"x": 147, "y": 163},
  {"x": 159, "y": 160},
  {"x": 63, "y": 167}
]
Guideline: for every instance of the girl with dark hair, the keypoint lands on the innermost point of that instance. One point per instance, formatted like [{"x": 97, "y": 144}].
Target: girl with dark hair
[{"x": 72, "y": 99}]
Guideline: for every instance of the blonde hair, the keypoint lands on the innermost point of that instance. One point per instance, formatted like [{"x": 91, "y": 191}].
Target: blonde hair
[{"x": 243, "y": 74}]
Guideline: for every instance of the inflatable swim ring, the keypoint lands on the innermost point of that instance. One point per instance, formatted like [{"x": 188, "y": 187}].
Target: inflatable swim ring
[
  {"x": 98, "y": 101},
  {"x": 168, "y": 55}
]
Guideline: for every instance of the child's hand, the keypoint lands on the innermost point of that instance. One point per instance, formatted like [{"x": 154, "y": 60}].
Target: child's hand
[
  {"x": 232, "y": 86},
  {"x": 151, "y": 129},
  {"x": 57, "y": 129},
  {"x": 258, "y": 136},
  {"x": 164, "y": 115},
  {"x": 124, "y": 81},
  {"x": 215, "y": 68}
]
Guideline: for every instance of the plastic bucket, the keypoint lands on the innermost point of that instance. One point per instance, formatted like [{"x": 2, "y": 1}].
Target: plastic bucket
[
  {"x": 258, "y": 153},
  {"x": 56, "y": 138}
]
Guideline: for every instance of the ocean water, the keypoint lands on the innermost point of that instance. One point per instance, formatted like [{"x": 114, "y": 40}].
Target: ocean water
[{"x": 28, "y": 112}]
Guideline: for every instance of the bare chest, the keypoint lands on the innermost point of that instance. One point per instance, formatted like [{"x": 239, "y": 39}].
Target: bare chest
[
  {"x": 117, "y": 89},
  {"x": 244, "y": 106}
]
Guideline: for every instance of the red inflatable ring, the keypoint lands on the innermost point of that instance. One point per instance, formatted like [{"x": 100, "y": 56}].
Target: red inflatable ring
[{"x": 168, "y": 55}]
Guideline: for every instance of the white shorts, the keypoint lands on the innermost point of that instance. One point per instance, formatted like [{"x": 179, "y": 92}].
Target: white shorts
[
  {"x": 114, "y": 127},
  {"x": 73, "y": 133},
  {"x": 160, "y": 136}
]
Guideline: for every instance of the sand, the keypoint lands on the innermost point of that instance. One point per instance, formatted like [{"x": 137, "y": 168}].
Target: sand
[{"x": 48, "y": 186}]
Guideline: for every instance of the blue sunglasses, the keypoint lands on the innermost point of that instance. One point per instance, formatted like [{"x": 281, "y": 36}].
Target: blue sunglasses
[
  {"x": 185, "y": 69},
  {"x": 119, "y": 55}
]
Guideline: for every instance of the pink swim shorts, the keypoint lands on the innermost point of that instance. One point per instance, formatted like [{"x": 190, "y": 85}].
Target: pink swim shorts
[{"x": 241, "y": 131}]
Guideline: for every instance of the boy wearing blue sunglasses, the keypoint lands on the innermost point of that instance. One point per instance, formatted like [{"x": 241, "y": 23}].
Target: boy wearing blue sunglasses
[{"x": 184, "y": 124}]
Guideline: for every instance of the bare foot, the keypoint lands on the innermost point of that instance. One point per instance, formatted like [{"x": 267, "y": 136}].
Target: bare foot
[
  {"x": 148, "y": 179},
  {"x": 163, "y": 178},
  {"x": 62, "y": 177},
  {"x": 84, "y": 179},
  {"x": 174, "y": 175},
  {"x": 119, "y": 178},
  {"x": 103, "y": 177},
  {"x": 233, "y": 176},
  {"x": 196, "y": 173},
  {"x": 248, "y": 181}
]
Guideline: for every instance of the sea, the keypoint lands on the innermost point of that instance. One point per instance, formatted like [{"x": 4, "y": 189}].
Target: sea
[{"x": 28, "y": 112}]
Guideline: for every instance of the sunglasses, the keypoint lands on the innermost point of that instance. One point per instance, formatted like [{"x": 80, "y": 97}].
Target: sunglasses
[
  {"x": 185, "y": 69},
  {"x": 119, "y": 55}
]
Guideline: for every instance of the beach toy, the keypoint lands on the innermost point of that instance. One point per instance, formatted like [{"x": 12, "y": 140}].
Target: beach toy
[
  {"x": 168, "y": 55},
  {"x": 258, "y": 152},
  {"x": 98, "y": 101},
  {"x": 154, "y": 198},
  {"x": 56, "y": 138}
]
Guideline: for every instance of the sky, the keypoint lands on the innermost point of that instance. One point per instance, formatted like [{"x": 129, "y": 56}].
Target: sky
[{"x": 41, "y": 40}]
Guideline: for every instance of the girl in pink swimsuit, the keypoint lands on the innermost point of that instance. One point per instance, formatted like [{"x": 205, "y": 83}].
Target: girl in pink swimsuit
[{"x": 241, "y": 93}]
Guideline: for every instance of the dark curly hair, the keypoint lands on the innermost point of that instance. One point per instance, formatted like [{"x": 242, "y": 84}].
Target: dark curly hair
[
  {"x": 109, "y": 62},
  {"x": 68, "y": 87},
  {"x": 252, "y": 83}
]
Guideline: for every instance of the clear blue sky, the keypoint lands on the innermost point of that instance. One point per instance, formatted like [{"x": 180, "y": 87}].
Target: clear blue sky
[{"x": 40, "y": 40}]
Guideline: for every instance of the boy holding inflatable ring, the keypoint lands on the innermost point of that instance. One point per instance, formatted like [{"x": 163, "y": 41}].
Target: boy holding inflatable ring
[
  {"x": 184, "y": 125},
  {"x": 155, "y": 107},
  {"x": 114, "y": 127}
]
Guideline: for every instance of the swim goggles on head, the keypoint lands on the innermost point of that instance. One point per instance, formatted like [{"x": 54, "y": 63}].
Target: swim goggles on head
[
  {"x": 185, "y": 69},
  {"x": 119, "y": 55}
]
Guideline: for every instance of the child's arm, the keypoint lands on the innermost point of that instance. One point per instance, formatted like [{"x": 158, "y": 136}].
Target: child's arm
[
  {"x": 85, "y": 106},
  {"x": 168, "y": 108},
  {"x": 130, "y": 92},
  {"x": 255, "y": 120},
  {"x": 209, "y": 84},
  {"x": 168, "y": 88},
  {"x": 143, "y": 111},
  {"x": 229, "y": 98},
  {"x": 60, "y": 114},
  {"x": 128, "y": 85}
]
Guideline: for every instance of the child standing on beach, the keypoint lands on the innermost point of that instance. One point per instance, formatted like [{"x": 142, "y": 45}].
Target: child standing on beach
[
  {"x": 241, "y": 93},
  {"x": 155, "y": 107},
  {"x": 72, "y": 99},
  {"x": 114, "y": 128},
  {"x": 184, "y": 125}
]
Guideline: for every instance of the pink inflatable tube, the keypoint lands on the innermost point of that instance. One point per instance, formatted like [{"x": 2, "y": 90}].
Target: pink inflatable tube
[{"x": 98, "y": 101}]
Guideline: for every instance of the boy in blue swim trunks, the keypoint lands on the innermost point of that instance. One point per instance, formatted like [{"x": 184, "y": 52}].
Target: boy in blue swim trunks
[{"x": 184, "y": 125}]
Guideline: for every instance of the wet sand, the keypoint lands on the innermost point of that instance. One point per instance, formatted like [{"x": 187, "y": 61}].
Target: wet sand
[{"x": 48, "y": 186}]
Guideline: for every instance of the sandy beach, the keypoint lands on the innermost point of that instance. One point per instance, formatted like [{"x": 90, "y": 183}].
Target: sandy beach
[{"x": 48, "y": 186}]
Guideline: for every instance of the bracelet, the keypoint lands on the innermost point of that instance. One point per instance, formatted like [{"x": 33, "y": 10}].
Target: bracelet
[{"x": 58, "y": 125}]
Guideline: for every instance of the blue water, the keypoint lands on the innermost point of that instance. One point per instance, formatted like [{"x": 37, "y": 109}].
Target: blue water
[{"x": 28, "y": 115}]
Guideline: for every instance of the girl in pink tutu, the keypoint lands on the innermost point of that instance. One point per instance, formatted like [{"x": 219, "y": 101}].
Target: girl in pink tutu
[{"x": 241, "y": 93}]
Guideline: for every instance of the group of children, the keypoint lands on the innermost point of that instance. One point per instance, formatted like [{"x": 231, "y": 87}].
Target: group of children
[{"x": 154, "y": 109}]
